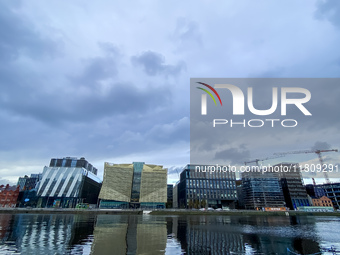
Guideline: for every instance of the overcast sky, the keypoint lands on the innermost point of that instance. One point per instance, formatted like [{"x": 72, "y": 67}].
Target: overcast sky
[{"x": 109, "y": 80}]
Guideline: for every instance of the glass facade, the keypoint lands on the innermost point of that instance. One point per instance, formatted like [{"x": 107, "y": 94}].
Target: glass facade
[
  {"x": 201, "y": 189},
  {"x": 137, "y": 175},
  {"x": 261, "y": 190}
]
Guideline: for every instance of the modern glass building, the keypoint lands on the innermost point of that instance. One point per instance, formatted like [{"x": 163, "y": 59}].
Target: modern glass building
[
  {"x": 67, "y": 186},
  {"x": 136, "y": 185},
  {"x": 199, "y": 187},
  {"x": 261, "y": 189}
]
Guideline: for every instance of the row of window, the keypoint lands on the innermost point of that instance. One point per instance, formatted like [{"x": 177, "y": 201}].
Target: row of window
[
  {"x": 211, "y": 175},
  {"x": 210, "y": 184},
  {"x": 211, "y": 194}
]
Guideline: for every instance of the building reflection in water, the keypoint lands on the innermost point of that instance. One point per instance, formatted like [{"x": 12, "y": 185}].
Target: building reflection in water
[
  {"x": 147, "y": 234},
  {"x": 44, "y": 234},
  {"x": 238, "y": 235},
  {"x": 129, "y": 234}
]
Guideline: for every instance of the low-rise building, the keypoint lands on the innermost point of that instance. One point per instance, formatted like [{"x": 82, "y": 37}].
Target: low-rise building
[
  {"x": 9, "y": 196},
  {"x": 322, "y": 201}
]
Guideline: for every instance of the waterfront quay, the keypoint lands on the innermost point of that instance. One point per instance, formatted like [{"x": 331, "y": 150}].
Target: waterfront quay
[{"x": 163, "y": 212}]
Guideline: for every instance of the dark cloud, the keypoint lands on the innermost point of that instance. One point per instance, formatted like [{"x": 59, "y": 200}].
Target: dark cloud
[
  {"x": 154, "y": 64},
  {"x": 121, "y": 98},
  {"x": 89, "y": 96},
  {"x": 329, "y": 10}
]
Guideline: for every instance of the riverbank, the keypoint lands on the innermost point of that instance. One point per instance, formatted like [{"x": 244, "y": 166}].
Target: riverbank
[{"x": 168, "y": 212}]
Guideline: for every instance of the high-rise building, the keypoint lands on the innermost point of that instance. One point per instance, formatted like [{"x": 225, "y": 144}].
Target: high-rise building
[
  {"x": 261, "y": 189},
  {"x": 202, "y": 186},
  {"x": 66, "y": 185},
  {"x": 136, "y": 185},
  {"x": 293, "y": 189}
]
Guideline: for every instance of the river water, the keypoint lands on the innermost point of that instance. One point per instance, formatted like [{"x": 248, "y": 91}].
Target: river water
[{"x": 148, "y": 234}]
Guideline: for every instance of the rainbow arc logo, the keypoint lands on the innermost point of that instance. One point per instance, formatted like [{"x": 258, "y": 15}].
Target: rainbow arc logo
[{"x": 209, "y": 93}]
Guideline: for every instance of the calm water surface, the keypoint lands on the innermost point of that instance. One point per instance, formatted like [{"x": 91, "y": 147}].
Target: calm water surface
[{"x": 146, "y": 234}]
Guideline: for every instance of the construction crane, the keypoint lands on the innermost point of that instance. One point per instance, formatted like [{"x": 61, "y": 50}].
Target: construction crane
[
  {"x": 258, "y": 160},
  {"x": 318, "y": 152}
]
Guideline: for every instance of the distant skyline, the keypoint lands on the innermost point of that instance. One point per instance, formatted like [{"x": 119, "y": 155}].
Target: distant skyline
[{"x": 110, "y": 81}]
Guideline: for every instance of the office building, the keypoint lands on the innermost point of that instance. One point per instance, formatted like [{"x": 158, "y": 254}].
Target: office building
[
  {"x": 332, "y": 191},
  {"x": 64, "y": 185},
  {"x": 205, "y": 186},
  {"x": 136, "y": 185},
  {"x": 261, "y": 190},
  {"x": 293, "y": 189}
]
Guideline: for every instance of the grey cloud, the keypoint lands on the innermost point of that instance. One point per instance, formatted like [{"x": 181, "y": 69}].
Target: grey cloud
[
  {"x": 122, "y": 98},
  {"x": 330, "y": 10},
  {"x": 93, "y": 94},
  {"x": 321, "y": 146},
  {"x": 154, "y": 64},
  {"x": 235, "y": 155},
  {"x": 19, "y": 37},
  {"x": 99, "y": 68},
  {"x": 96, "y": 69}
]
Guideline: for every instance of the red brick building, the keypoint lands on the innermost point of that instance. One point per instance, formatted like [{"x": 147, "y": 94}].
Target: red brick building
[
  {"x": 322, "y": 201},
  {"x": 8, "y": 195}
]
